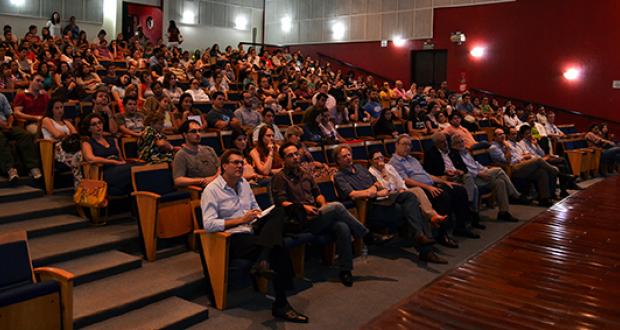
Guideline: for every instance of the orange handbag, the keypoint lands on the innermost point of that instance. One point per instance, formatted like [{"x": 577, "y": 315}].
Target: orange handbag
[{"x": 91, "y": 193}]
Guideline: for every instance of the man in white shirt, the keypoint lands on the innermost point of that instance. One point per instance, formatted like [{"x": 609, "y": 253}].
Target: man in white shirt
[{"x": 228, "y": 204}]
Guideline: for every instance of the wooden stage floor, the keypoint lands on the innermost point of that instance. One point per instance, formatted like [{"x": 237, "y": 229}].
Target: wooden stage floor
[{"x": 561, "y": 270}]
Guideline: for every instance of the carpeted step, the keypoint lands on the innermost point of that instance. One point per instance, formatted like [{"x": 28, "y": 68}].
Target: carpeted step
[
  {"x": 100, "y": 265},
  {"x": 180, "y": 275},
  {"x": 46, "y": 226},
  {"x": 36, "y": 207},
  {"x": 19, "y": 193},
  {"x": 170, "y": 313},
  {"x": 65, "y": 246}
]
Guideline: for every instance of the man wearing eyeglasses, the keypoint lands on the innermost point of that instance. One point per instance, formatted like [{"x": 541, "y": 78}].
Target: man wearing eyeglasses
[
  {"x": 228, "y": 204},
  {"x": 293, "y": 187},
  {"x": 524, "y": 165},
  {"x": 194, "y": 164}
]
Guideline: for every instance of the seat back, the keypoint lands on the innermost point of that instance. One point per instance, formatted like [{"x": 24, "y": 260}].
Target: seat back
[
  {"x": 347, "y": 131},
  {"x": 390, "y": 146},
  {"x": 129, "y": 146},
  {"x": 212, "y": 139},
  {"x": 568, "y": 129},
  {"x": 176, "y": 140},
  {"x": 318, "y": 154},
  {"x": 17, "y": 272},
  {"x": 481, "y": 136},
  {"x": 155, "y": 178},
  {"x": 482, "y": 156},
  {"x": 372, "y": 146},
  {"x": 204, "y": 107},
  {"x": 363, "y": 130},
  {"x": 282, "y": 119},
  {"x": 358, "y": 151},
  {"x": 226, "y": 138},
  {"x": 327, "y": 189},
  {"x": 329, "y": 152},
  {"x": 426, "y": 142},
  {"x": 263, "y": 197},
  {"x": 297, "y": 117}
]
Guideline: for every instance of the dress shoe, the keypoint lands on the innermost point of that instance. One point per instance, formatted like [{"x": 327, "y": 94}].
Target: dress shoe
[
  {"x": 521, "y": 200},
  {"x": 13, "y": 176},
  {"x": 506, "y": 216},
  {"x": 287, "y": 313},
  {"x": 36, "y": 173},
  {"x": 475, "y": 221},
  {"x": 545, "y": 202},
  {"x": 262, "y": 269},
  {"x": 465, "y": 232},
  {"x": 377, "y": 239},
  {"x": 564, "y": 194},
  {"x": 448, "y": 242},
  {"x": 421, "y": 240},
  {"x": 433, "y": 258},
  {"x": 346, "y": 278},
  {"x": 574, "y": 186}
]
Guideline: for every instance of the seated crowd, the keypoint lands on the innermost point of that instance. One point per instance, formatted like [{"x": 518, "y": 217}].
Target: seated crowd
[{"x": 166, "y": 100}]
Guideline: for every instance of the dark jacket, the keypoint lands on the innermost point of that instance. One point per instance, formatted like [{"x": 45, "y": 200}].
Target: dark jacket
[{"x": 434, "y": 165}]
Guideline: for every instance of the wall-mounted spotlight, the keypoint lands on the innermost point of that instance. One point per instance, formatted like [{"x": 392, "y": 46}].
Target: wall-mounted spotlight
[
  {"x": 572, "y": 74},
  {"x": 398, "y": 41},
  {"x": 458, "y": 37},
  {"x": 478, "y": 52}
]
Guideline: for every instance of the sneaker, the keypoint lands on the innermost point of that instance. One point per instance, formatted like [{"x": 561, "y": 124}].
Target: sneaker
[
  {"x": 36, "y": 173},
  {"x": 13, "y": 176}
]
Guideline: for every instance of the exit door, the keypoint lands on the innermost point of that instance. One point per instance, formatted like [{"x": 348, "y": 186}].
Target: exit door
[{"x": 429, "y": 67}]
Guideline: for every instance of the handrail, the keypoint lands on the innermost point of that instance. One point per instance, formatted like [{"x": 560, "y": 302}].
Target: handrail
[
  {"x": 572, "y": 112},
  {"x": 263, "y": 45},
  {"x": 354, "y": 67}
]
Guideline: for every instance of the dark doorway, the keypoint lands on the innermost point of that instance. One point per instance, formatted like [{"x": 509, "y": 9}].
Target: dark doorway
[{"x": 430, "y": 67}]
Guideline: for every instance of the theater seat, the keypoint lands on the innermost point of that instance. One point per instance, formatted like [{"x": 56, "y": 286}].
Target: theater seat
[
  {"x": 163, "y": 212},
  {"x": 40, "y": 298}
]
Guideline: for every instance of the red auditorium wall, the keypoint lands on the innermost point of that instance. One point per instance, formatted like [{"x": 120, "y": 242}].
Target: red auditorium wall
[
  {"x": 143, "y": 13},
  {"x": 529, "y": 45}
]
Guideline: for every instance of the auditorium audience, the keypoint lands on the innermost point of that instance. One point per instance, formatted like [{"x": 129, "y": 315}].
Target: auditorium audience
[{"x": 610, "y": 156}]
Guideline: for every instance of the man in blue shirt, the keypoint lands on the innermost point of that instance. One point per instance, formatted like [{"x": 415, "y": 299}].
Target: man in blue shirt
[
  {"x": 524, "y": 165},
  {"x": 482, "y": 176},
  {"x": 447, "y": 197},
  {"x": 373, "y": 107},
  {"x": 228, "y": 204}
]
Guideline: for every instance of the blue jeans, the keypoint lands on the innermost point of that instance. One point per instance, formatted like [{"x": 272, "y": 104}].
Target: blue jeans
[{"x": 336, "y": 219}]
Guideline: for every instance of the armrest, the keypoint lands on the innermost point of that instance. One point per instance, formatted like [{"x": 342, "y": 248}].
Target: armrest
[
  {"x": 145, "y": 194},
  {"x": 193, "y": 190},
  {"x": 92, "y": 171},
  {"x": 53, "y": 273},
  {"x": 65, "y": 281},
  {"x": 361, "y": 204},
  {"x": 217, "y": 235}
]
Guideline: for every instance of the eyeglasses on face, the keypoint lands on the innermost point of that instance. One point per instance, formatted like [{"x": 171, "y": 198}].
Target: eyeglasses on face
[
  {"x": 193, "y": 131},
  {"x": 236, "y": 162},
  {"x": 292, "y": 154}
]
